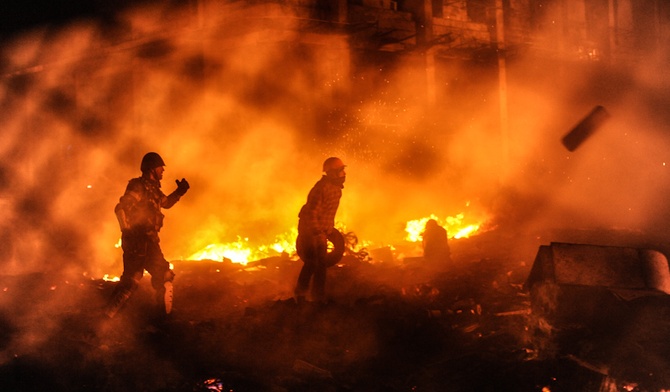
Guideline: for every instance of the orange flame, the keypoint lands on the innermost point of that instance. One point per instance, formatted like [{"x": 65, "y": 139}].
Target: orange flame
[
  {"x": 108, "y": 278},
  {"x": 456, "y": 226},
  {"x": 241, "y": 252}
]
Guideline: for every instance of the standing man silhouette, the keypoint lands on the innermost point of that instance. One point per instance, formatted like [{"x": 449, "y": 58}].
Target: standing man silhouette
[{"x": 317, "y": 222}]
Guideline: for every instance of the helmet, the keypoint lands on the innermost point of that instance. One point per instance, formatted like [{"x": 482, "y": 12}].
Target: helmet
[
  {"x": 332, "y": 163},
  {"x": 151, "y": 160}
]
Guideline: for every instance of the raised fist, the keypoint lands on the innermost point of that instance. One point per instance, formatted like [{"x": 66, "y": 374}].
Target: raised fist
[{"x": 182, "y": 186}]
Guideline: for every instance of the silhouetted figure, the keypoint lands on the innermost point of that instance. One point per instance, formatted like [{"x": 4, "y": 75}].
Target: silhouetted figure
[
  {"x": 316, "y": 223},
  {"x": 435, "y": 244},
  {"x": 140, "y": 218}
]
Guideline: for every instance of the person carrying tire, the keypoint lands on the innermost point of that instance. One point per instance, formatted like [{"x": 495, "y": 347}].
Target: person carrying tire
[{"x": 316, "y": 224}]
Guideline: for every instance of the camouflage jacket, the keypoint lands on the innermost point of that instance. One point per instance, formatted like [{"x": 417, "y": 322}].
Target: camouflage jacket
[{"x": 139, "y": 209}]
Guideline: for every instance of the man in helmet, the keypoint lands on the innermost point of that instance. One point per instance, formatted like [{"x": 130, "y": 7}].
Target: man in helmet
[
  {"x": 140, "y": 218},
  {"x": 316, "y": 222}
]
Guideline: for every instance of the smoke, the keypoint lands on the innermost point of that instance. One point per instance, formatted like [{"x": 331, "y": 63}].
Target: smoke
[
  {"x": 618, "y": 177},
  {"x": 247, "y": 113}
]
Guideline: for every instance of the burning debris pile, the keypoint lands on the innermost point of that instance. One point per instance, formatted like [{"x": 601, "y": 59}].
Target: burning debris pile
[{"x": 388, "y": 326}]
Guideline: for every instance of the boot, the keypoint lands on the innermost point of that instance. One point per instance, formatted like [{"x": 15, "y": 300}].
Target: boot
[
  {"x": 119, "y": 298},
  {"x": 167, "y": 297}
]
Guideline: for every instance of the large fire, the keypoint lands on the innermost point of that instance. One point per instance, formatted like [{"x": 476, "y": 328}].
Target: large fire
[
  {"x": 456, "y": 226},
  {"x": 242, "y": 252}
]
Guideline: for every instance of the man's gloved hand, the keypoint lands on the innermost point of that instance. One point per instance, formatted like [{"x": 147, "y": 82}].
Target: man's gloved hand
[{"x": 182, "y": 186}]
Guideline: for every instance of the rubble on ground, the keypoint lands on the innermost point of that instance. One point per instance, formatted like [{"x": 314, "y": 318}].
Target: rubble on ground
[{"x": 387, "y": 327}]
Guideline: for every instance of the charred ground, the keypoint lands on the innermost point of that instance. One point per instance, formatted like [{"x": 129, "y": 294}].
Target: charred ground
[{"x": 391, "y": 327}]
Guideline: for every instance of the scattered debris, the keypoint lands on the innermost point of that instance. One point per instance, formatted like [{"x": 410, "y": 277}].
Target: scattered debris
[{"x": 391, "y": 326}]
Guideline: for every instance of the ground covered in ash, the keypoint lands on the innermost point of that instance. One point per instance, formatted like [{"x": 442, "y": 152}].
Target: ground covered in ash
[{"x": 404, "y": 326}]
